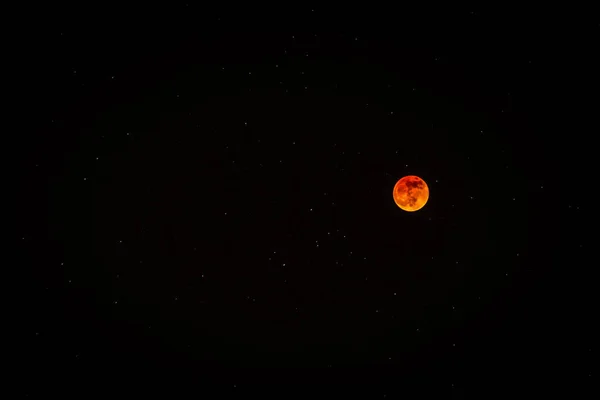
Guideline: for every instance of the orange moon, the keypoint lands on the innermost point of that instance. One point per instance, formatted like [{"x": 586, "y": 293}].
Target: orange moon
[{"x": 411, "y": 193}]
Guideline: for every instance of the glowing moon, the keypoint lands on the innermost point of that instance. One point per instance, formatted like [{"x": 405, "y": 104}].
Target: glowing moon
[{"x": 411, "y": 193}]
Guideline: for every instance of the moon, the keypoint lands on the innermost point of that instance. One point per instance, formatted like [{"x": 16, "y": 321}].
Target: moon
[{"x": 411, "y": 193}]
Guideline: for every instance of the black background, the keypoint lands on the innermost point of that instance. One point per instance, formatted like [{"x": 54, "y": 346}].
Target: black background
[{"x": 205, "y": 199}]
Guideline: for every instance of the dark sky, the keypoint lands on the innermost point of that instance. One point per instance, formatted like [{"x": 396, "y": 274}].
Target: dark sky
[{"x": 206, "y": 198}]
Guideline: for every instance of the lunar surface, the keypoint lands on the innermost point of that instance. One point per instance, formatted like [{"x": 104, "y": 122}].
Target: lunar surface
[{"x": 411, "y": 193}]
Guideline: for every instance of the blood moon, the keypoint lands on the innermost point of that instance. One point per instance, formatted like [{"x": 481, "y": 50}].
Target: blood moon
[{"x": 411, "y": 193}]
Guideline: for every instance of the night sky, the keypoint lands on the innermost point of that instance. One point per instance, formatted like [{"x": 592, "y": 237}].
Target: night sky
[{"x": 205, "y": 201}]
